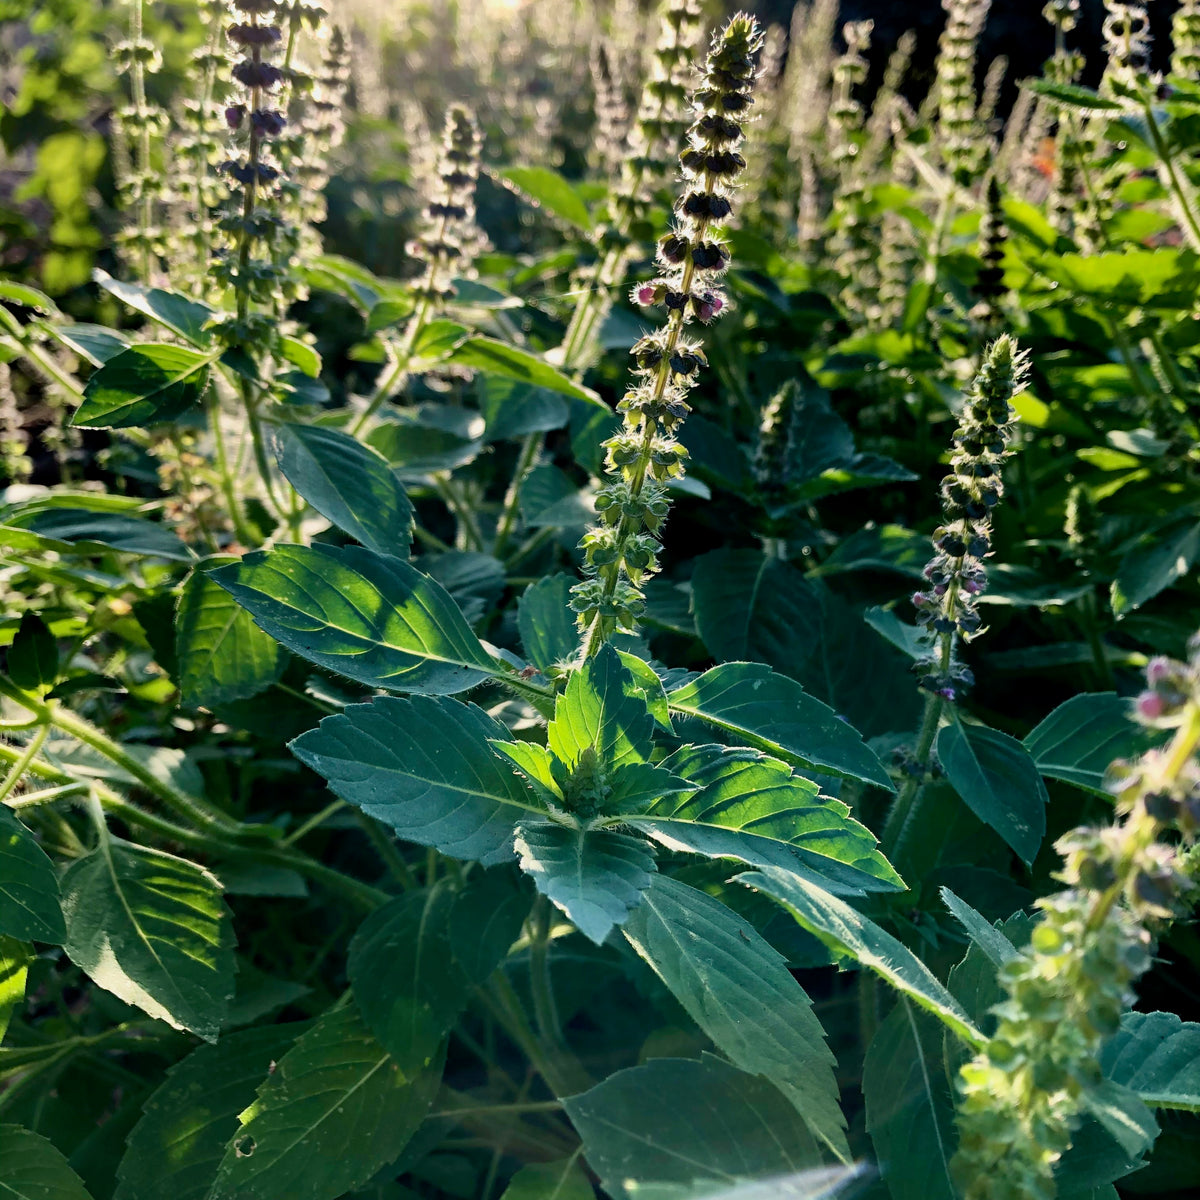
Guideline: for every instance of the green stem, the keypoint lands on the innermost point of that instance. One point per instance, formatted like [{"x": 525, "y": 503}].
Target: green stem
[
  {"x": 540, "y": 982},
  {"x": 530, "y": 449},
  {"x": 902, "y": 812},
  {"x": 38, "y": 799},
  {"x": 1174, "y": 183},
  {"x": 28, "y": 754},
  {"x": 314, "y": 822},
  {"x": 236, "y": 515}
]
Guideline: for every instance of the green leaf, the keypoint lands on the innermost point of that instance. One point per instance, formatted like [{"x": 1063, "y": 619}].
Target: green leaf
[
  {"x": 348, "y": 483},
  {"x": 1123, "y": 1115},
  {"x": 847, "y": 931},
  {"x": 910, "y": 1107},
  {"x": 1085, "y": 734},
  {"x": 549, "y": 634},
  {"x": 547, "y": 189},
  {"x": 738, "y": 989},
  {"x": 999, "y": 782},
  {"x": 221, "y": 654},
  {"x": 755, "y": 608},
  {"x": 30, "y": 906},
  {"x": 424, "y": 767},
  {"x": 602, "y": 709},
  {"x": 152, "y": 929},
  {"x": 418, "y": 442},
  {"x": 15, "y": 958},
  {"x": 35, "y": 1169},
  {"x": 1157, "y": 1056},
  {"x": 596, "y": 876},
  {"x": 301, "y": 355},
  {"x": 333, "y": 1112},
  {"x": 176, "y": 1147},
  {"x": 498, "y": 358},
  {"x": 561, "y": 1180},
  {"x": 92, "y": 342},
  {"x": 80, "y": 530},
  {"x": 407, "y": 984},
  {"x": 367, "y": 616},
  {"x": 514, "y": 410},
  {"x": 685, "y": 1122},
  {"x": 1073, "y": 97},
  {"x": 29, "y": 297},
  {"x": 33, "y": 655},
  {"x": 486, "y": 920},
  {"x": 774, "y": 713},
  {"x": 998, "y": 949},
  {"x": 752, "y": 607},
  {"x": 177, "y": 313},
  {"x": 1154, "y": 567},
  {"x": 436, "y": 339},
  {"x": 145, "y": 385},
  {"x": 753, "y": 808}
]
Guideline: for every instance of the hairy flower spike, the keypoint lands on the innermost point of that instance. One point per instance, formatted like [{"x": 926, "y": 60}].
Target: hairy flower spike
[
  {"x": 651, "y": 147},
  {"x": 1185, "y": 40},
  {"x": 1021, "y": 1097},
  {"x": 854, "y": 247},
  {"x": 450, "y": 239},
  {"x": 973, "y": 488},
  {"x": 962, "y": 139},
  {"x": 251, "y": 217},
  {"x": 644, "y": 455},
  {"x": 989, "y": 283}
]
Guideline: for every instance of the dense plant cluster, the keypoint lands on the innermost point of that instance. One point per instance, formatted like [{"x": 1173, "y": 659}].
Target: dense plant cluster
[{"x": 599, "y": 600}]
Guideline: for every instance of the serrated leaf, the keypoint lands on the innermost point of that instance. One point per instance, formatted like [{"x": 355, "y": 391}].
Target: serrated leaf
[
  {"x": 596, "y": 876},
  {"x": 179, "y": 314},
  {"x": 910, "y": 1106},
  {"x": 335, "y": 1110},
  {"x": 549, "y": 634},
  {"x": 847, "y": 931},
  {"x": 145, "y": 385},
  {"x": 407, "y": 984},
  {"x": 35, "y": 1169},
  {"x": 33, "y": 654},
  {"x": 177, "y": 1146},
  {"x": 1152, "y": 568},
  {"x": 1080, "y": 739},
  {"x": 30, "y": 907},
  {"x": 749, "y": 807},
  {"x": 152, "y": 929},
  {"x": 1157, "y": 1056},
  {"x": 348, "y": 483},
  {"x": 687, "y": 1122},
  {"x": 370, "y": 617},
  {"x": 548, "y": 190},
  {"x": 997, "y": 779},
  {"x": 15, "y": 958},
  {"x": 424, "y": 767},
  {"x": 603, "y": 709},
  {"x": 998, "y": 949},
  {"x": 221, "y": 654},
  {"x": 738, "y": 989},
  {"x": 775, "y": 714},
  {"x": 499, "y": 358}
]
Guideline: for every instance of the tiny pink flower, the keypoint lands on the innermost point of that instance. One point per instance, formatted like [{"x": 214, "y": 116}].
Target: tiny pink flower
[
  {"x": 1151, "y": 706},
  {"x": 645, "y": 294}
]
